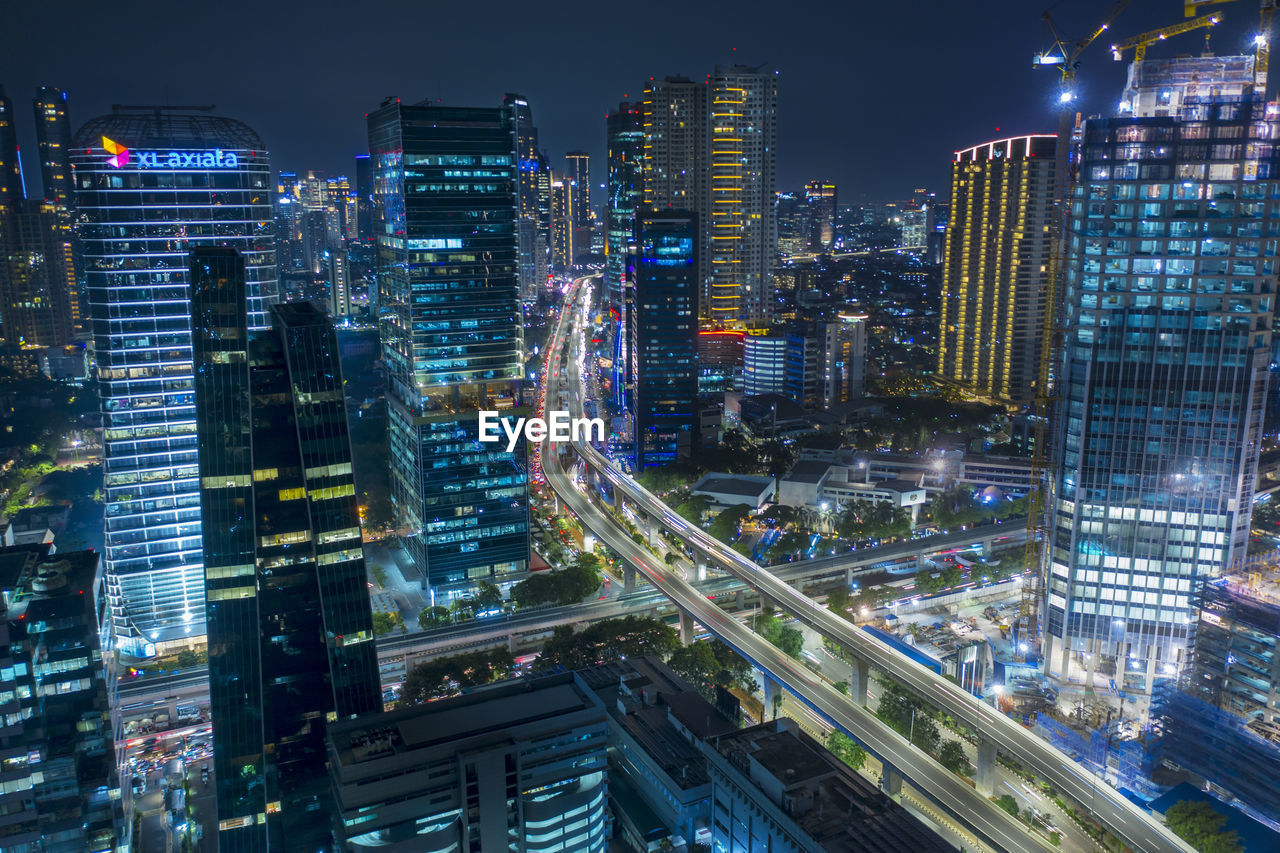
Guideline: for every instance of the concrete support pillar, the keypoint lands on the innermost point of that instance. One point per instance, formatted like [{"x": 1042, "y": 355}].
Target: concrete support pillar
[
  {"x": 700, "y": 562},
  {"x": 921, "y": 562},
  {"x": 654, "y": 527},
  {"x": 848, "y": 577},
  {"x": 986, "y": 778},
  {"x": 766, "y": 602},
  {"x": 986, "y": 546},
  {"x": 171, "y": 705},
  {"x": 737, "y": 600},
  {"x": 772, "y": 697},
  {"x": 860, "y": 674},
  {"x": 628, "y": 578},
  {"x": 891, "y": 780},
  {"x": 511, "y": 643},
  {"x": 686, "y": 627}
]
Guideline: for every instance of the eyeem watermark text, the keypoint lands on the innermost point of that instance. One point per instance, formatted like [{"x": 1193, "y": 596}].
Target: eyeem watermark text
[{"x": 558, "y": 428}]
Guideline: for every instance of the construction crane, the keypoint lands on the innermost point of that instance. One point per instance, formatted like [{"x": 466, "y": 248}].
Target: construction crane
[
  {"x": 1140, "y": 43},
  {"x": 1066, "y": 57},
  {"x": 1261, "y": 39}
]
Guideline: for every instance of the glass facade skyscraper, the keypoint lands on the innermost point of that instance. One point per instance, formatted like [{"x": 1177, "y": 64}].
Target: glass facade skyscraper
[
  {"x": 1169, "y": 298},
  {"x": 53, "y": 138},
  {"x": 150, "y": 185},
  {"x": 289, "y": 623},
  {"x": 663, "y": 321},
  {"x": 445, "y": 190}
]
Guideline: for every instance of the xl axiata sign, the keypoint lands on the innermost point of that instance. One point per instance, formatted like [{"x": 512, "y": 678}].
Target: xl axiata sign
[{"x": 119, "y": 156}]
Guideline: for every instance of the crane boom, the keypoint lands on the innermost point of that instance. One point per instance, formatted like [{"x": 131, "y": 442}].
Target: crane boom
[{"x": 1140, "y": 43}]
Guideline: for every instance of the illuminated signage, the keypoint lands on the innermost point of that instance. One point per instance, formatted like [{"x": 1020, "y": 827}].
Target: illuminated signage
[{"x": 215, "y": 159}]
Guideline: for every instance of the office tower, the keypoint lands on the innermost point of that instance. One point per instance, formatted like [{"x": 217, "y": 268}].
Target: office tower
[
  {"x": 625, "y": 140},
  {"x": 802, "y": 379},
  {"x": 1163, "y": 370},
  {"x": 288, "y": 618},
  {"x": 12, "y": 189},
  {"x": 720, "y": 360},
  {"x": 563, "y": 234},
  {"x": 37, "y": 278},
  {"x": 451, "y": 337},
  {"x": 773, "y": 787},
  {"x": 579, "y": 163},
  {"x": 764, "y": 362},
  {"x": 534, "y": 236},
  {"x": 518, "y": 766},
  {"x": 820, "y": 199},
  {"x": 996, "y": 266},
  {"x": 937, "y": 215},
  {"x": 914, "y": 223},
  {"x": 53, "y": 141},
  {"x": 130, "y": 168},
  {"x": 794, "y": 223},
  {"x": 663, "y": 326},
  {"x": 742, "y": 238},
  {"x": 60, "y": 790},
  {"x": 339, "y": 285},
  {"x": 844, "y": 359},
  {"x": 364, "y": 198}
]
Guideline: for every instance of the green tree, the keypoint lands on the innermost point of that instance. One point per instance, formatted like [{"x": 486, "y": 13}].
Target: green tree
[
  {"x": 952, "y": 756},
  {"x": 1009, "y": 804},
  {"x": 838, "y": 598},
  {"x": 726, "y": 524},
  {"x": 790, "y": 640},
  {"x": 487, "y": 596},
  {"x": 385, "y": 623},
  {"x": 447, "y": 676},
  {"x": 906, "y": 715},
  {"x": 697, "y": 664},
  {"x": 694, "y": 509},
  {"x": 606, "y": 641},
  {"x": 843, "y": 747},
  {"x": 433, "y": 617},
  {"x": 1202, "y": 826}
]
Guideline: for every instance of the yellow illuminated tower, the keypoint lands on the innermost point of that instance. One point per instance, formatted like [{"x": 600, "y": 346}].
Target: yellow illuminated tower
[
  {"x": 995, "y": 267},
  {"x": 742, "y": 134}
]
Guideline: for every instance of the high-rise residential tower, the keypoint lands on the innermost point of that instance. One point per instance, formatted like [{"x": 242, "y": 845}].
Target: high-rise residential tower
[
  {"x": 564, "y": 244},
  {"x": 742, "y": 239},
  {"x": 151, "y": 185},
  {"x": 289, "y": 623},
  {"x": 996, "y": 267},
  {"x": 451, "y": 336},
  {"x": 37, "y": 278},
  {"x": 663, "y": 321},
  {"x": 579, "y": 163},
  {"x": 1169, "y": 300}
]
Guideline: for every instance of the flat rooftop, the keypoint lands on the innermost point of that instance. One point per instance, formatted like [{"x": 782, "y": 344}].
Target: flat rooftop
[{"x": 733, "y": 484}]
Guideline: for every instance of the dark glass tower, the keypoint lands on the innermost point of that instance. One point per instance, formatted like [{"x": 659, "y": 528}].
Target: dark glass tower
[
  {"x": 445, "y": 194},
  {"x": 53, "y": 138},
  {"x": 663, "y": 322},
  {"x": 534, "y": 236},
  {"x": 287, "y": 604},
  {"x": 12, "y": 191},
  {"x": 625, "y": 132}
]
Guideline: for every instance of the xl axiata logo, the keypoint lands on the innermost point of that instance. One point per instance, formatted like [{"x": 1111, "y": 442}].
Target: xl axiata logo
[
  {"x": 120, "y": 156},
  {"x": 558, "y": 428}
]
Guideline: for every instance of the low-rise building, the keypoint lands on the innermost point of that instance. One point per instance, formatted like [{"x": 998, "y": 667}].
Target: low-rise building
[
  {"x": 726, "y": 490},
  {"x": 521, "y": 765},
  {"x": 775, "y": 788}
]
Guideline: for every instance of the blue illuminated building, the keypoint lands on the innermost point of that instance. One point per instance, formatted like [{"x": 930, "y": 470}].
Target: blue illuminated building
[
  {"x": 175, "y": 179},
  {"x": 445, "y": 197},
  {"x": 663, "y": 324}
]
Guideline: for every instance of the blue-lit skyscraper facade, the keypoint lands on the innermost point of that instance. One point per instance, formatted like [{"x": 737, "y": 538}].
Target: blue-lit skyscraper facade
[
  {"x": 1170, "y": 281},
  {"x": 663, "y": 322},
  {"x": 150, "y": 185},
  {"x": 445, "y": 193}
]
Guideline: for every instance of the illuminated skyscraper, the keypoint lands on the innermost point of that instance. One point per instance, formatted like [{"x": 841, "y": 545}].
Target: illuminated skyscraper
[
  {"x": 1170, "y": 298},
  {"x": 533, "y": 233},
  {"x": 625, "y": 138},
  {"x": 37, "y": 278},
  {"x": 663, "y": 321},
  {"x": 152, "y": 184},
  {"x": 289, "y": 623},
  {"x": 996, "y": 266},
  {"x": 563, "y": 214},
  {"x": 53, "y": 138},
  {"x": 820, "y": 199},
  {"x": 12, "y": 190},
  {"x": 580, "y": 173},
  {"x": 451, "y": 336},
  {"x": 742, "y": 240}
]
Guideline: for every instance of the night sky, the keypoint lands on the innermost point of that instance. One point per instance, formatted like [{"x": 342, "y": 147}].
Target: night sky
[{"x": 874, "y": 95}]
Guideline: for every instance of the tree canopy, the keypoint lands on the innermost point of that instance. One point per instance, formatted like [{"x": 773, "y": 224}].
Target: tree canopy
[
  {"x": 564, "y": 586},
  {"x": 605, "y": 641},
  {"x": 1201, "y": 826},
  {"x": 447, "y": 676}
]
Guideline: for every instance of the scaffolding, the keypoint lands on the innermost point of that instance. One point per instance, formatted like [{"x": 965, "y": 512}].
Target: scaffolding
[
  {"x": 1219, "y": 746},
  {"x": 1103, "y": 752}
]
